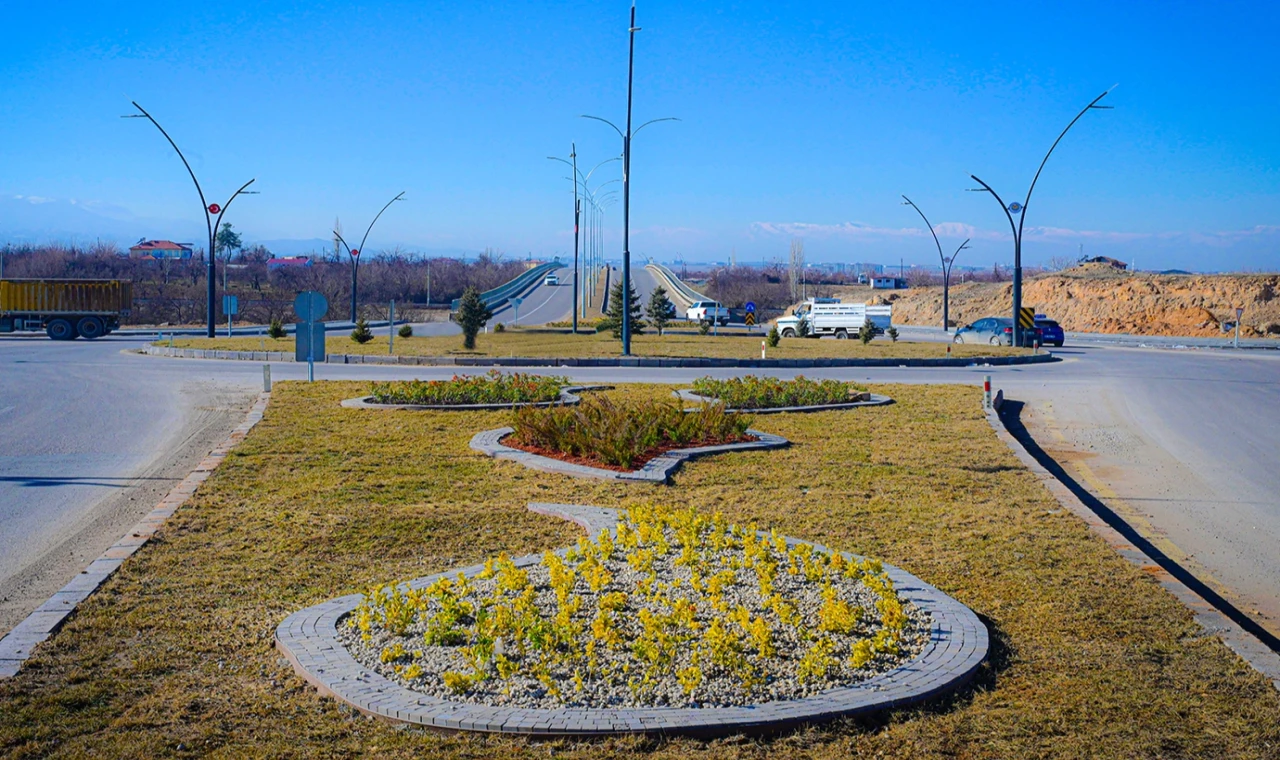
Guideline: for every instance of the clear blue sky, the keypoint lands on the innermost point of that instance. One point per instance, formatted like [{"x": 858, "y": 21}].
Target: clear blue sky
[{"x": 801, "y": 119}]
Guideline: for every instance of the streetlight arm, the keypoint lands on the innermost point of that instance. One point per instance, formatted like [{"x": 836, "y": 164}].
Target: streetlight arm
[
  {"x": 949, "y": 263},
  {"x": 149, "y": 117},
  {"x": 987, "y": 188},
  {"x": 375, "y": 219},
  {"x": 927, "y": 224},
  {"x": 606, "y": 121},
  {"x": 653, "y": 121},
  {"x": 338, "y": 236},
  {"x": 1092, "y": 105},
  {"x": 218, "y": 222}
]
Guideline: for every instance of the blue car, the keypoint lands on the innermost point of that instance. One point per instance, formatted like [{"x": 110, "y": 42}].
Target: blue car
[{"x": 1050, "y": 331}]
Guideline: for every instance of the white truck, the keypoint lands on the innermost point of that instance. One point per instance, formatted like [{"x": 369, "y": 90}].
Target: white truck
[
  {"x": 828, "y": 316},
  {"x": 707, "y": 311}
]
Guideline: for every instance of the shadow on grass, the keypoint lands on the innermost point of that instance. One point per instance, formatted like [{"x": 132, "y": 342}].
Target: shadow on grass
[{"x": 1011, "y": 417}]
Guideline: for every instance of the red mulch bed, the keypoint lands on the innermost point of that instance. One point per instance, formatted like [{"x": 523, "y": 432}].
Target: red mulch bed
[{"x": 641, "y": 460}]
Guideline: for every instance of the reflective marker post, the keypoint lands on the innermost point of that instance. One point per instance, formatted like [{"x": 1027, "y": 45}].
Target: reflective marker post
[
  {"x": 986, "y": 391},
  {"x": 1239, "y": 314}
]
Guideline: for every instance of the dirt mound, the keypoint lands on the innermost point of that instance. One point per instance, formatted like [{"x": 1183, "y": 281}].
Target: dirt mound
[{"x": 1100, "y": 299}]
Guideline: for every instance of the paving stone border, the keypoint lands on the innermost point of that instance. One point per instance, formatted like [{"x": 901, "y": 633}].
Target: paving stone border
[
  {"x": 656, "y": 470},
  {"x": 873, "y": 399},
  {"x": 568, "y": 397},
  {"x": 16, "y": 646},
  {"x": 958, "y": 643},
  {"x": 612, "y": 361}
]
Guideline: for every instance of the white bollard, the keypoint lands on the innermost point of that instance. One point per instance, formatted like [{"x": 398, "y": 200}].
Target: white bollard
[
  {"x": 762, "y": 345},
  {"x": 986, "y": 391},
  {"x": 266, "y": 378}
]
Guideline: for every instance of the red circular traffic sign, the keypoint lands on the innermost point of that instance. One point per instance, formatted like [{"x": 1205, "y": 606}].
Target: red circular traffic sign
[
  {"x": 214, "y": 208},
  {"x": 355, "y": 251}
]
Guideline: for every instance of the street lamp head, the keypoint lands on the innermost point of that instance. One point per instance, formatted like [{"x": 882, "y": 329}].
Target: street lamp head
[{"x": 1015, "y": 208}]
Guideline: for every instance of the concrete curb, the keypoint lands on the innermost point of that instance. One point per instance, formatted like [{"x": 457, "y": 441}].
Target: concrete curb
[
  {"x": 16, "y": 647},
  {"x": 957, "y": 645},
  {"x": 1214, "y": 622},
  {"x": 568, "y": 397},
  {"x": 875, "y": 399},
  {"x": 656, "y": 470},
  {"x": 613, "y": 361}
]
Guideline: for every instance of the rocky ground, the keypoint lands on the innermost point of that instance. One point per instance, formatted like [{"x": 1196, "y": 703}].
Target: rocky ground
[{"x": 1099, "y": 299}]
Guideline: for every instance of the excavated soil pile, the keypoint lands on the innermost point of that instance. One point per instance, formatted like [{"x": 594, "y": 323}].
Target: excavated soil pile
[{"x": 1098, "y": 299}]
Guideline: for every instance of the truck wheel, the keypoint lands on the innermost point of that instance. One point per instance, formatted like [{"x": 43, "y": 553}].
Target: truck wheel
[
  {"x": 842, "y": 334},
  {"x": 91, "y": 328},
  {"x": 788, "y": 333},
  {"x": 60, "y": 329}
]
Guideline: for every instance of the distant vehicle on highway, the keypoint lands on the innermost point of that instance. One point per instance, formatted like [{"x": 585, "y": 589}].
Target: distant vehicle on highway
[
  {"x": 1051, "y": 333},
  {"x": 64, "y": 309},
  {"x": 828, "y": 316},
  {"x": 707, "y": 311},
  {"x": 551, "y": 279},
  {"x": 996, "y": 331}
]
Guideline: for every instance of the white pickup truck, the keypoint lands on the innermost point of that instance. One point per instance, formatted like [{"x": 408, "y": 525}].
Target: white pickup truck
[
  {"x": 707, "y": 311},
  {"x": 828, "y": 316}
]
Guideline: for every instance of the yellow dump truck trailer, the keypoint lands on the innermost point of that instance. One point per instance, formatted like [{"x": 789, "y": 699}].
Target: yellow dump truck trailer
[{"x": 65, "y": 309}]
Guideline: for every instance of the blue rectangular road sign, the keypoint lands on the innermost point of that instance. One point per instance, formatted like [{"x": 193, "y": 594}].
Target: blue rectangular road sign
[
  {"x": 310, "y": 336},
  {"x": 230, "y": 305}
]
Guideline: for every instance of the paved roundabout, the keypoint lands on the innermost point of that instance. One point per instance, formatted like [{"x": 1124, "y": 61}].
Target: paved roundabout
[{"x": 956, "y": 646}]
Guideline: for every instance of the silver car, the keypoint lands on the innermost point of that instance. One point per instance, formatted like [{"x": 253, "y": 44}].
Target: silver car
[{"x": 995, "y": 331}]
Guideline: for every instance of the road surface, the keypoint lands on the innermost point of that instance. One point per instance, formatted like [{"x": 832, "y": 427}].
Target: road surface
[{"x": 1182, "y": 443}]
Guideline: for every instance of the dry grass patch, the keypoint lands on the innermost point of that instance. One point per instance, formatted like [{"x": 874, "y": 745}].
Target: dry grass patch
[
  {"x": 1090, "y": 658},
  {"x": 562, "y": 343}
]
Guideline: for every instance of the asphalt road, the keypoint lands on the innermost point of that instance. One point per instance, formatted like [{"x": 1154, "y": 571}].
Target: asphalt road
[{"x": 1180, "y": 442}]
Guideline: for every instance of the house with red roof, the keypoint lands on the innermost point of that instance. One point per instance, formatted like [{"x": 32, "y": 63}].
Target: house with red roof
[{"x": 160, "y": 249}]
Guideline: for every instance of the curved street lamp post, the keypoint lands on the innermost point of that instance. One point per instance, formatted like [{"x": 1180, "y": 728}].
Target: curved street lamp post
[
  {"x": 947, "y": 263},
  {"x": 577, "y": 179},
  {"x": 355, "y": 253},
  {"x": 626, "y": 183},
  {"x": 213, "y": 214},
  {"x": 1020, "y": 208}
]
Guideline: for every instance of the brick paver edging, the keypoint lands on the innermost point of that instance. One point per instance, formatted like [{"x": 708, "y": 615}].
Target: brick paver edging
[
  {"x": 15, "y": 648},
  {"x": 873, "y": 399},
  {"x": 656, "y": 470},
  {"x": 568, "y": 397},
  {"x": 613, "y": 361},
  {"x": 957, "y": 646}
]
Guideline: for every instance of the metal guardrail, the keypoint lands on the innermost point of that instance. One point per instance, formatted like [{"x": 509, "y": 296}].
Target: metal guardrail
[
  {"x": 678, "y": 287},
  {"x": 500, "y": 295}
]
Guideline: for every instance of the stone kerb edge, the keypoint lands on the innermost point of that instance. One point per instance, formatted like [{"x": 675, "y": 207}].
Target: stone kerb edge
[
  {"x": 656, "y": 470},
  {"x": 876, "y": 399},
  {"x": 643, "y": 361},
  {"x": 568, "y": 397},
  {"x": 958, "y": 644}
]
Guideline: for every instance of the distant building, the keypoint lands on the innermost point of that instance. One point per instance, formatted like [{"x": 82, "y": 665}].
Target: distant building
[
  {"x": 1116, "y": 263},
  {"x": 883, "y": 282},
  {"x": 287, "y": 261},
  {"x": 160, "y": 249}
]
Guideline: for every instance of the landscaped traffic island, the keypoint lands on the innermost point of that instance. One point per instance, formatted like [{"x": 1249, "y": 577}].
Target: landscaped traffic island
[
  {"x": 661, "y": 620},
  {"x": 601, "y": 438},
  {"x": 766, "y": 395},
  {"x": 494, "y": 390}
]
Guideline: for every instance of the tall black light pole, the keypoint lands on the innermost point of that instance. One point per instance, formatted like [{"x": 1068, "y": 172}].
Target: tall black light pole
[
  {"x": 946, "y": 264},
  {"x": 355, "y": 253},
  {"x": 577, "y": 179},
  {"x": 626, "y": 184},
  {"x": 212, "y": 214},
  {"x": 1020, "y": 208}
]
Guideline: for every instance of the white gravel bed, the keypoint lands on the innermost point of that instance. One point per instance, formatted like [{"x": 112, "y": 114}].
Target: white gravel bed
[{"x": 618, "y": 676}]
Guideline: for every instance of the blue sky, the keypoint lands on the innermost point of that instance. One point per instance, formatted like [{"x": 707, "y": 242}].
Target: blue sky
[{"x": 802, "y": 119}]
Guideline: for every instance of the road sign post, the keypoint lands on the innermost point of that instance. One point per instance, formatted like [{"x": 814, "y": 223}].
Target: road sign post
[
  {"x": 750, "y": 318},
  {"x": 230, "y": 307},
  {"x": 515, "y": 309},
  {"x": 1239, "y": 314},
  {"x": 311, "y": 307}
]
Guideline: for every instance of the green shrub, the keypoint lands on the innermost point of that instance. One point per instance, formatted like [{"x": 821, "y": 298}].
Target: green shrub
[
  {"x": 774, "y": 337},
  {"x": 405, "y": 331},
  {"x": 472, "y": 315},
  {"x": 751, "y": 392},
  {"x": 493, "y": 388},
  {"x": 276, "y": 329},
  {"x": 802, "y": 328},
  {"x": 613, "y": 316},
  {"x": 866, "y": 332},
  {"x": 892, "y": 332},
  {"x": 362, "y": 333},
  {"x": 704, "y": 327},
  {"x": 499, "y": 327},
  {"x": 624, "y": 434}
]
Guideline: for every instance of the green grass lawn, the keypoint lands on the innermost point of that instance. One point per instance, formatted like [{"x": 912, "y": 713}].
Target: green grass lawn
[
  {"x": 562, "y": 343},
  {"x": 1090, "y": 657}
]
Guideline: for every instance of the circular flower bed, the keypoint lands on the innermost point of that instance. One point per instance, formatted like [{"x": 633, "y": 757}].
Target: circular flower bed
[
  {"x": 671, "y": 608},
  {"x": 751, "y": 392}
]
